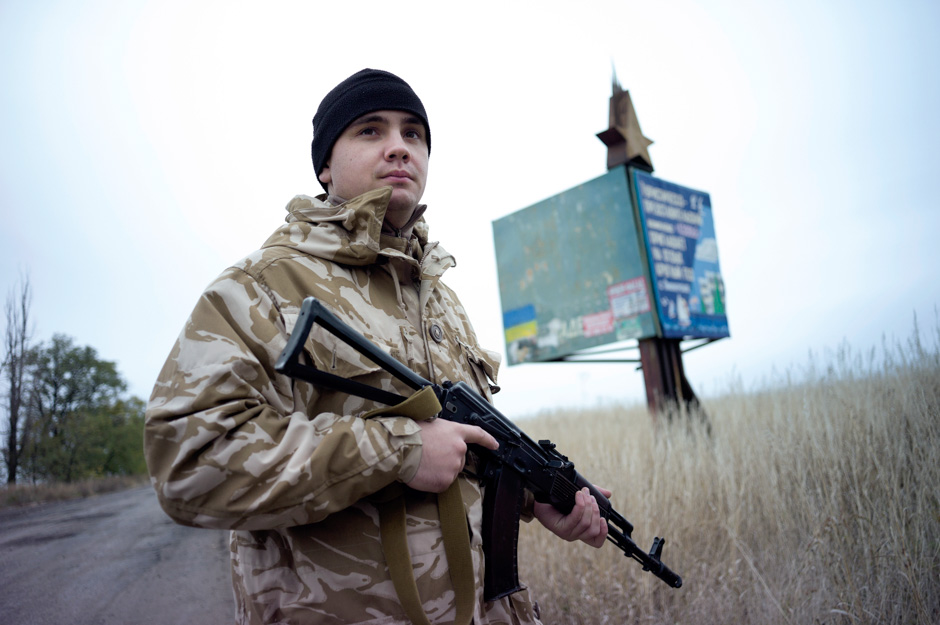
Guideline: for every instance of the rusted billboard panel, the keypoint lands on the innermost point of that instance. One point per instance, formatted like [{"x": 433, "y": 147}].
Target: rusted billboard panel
[{"x": 571, "y": 272}]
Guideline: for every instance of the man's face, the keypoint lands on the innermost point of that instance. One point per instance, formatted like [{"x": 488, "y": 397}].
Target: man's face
[{"x": 380, "y": 149}]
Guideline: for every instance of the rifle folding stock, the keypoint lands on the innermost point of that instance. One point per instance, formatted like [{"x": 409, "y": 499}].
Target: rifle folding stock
[{"x": 520, "y": 463}]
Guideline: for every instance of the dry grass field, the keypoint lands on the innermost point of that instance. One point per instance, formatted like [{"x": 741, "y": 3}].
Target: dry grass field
[{"x": 815, "y": 499}]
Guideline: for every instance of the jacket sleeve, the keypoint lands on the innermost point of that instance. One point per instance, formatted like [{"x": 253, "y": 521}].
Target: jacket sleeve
[{"x": 232, "y": 444}]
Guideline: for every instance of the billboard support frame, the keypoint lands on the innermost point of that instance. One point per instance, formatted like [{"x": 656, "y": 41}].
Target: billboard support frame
[{"x": 656, "y": 293}]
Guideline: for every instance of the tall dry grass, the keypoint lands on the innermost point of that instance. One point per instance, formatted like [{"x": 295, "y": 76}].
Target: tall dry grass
[{"x": 815, "y": 499}]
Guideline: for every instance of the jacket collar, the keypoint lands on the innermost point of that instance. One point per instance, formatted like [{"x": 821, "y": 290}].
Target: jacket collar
[{"x": 351, "y": 233}]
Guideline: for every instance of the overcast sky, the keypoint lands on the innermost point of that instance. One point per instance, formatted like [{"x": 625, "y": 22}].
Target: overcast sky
[{"x": 145, "y": 146}]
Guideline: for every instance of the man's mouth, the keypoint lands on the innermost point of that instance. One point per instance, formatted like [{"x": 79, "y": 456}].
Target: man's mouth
[{"x": 397, "y": 175}]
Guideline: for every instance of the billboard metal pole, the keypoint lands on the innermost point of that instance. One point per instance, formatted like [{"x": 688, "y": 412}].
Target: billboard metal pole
[
  {"x": 664, "y": 375},
  {"x": 660, "y": 358}
]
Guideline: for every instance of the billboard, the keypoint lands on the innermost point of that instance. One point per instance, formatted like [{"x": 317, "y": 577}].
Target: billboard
[
  {"x": 679, "y": 236},
  {"x": 625, "y": 256},
  {"x": 572, "y": 272}
]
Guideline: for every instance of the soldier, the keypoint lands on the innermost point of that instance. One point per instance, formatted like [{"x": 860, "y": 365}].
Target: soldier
[{"x": 301, "y": 474}]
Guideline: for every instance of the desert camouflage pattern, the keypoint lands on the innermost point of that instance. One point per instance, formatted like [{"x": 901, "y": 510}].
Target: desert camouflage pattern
[{"x": 292, "y": 469}]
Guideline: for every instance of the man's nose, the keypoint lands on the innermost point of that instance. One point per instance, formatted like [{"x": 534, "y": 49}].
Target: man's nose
[{"x": 397, "y": 148}]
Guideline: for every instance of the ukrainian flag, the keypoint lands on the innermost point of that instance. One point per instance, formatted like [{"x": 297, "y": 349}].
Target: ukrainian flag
[{"x": 520, "y": 323}]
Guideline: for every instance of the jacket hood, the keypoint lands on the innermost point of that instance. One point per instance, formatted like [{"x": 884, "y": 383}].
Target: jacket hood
[{"x": 349, "y": 233}]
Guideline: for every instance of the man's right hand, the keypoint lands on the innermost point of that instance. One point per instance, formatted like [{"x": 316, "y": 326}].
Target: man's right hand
[{"x": 444, "y": 452}]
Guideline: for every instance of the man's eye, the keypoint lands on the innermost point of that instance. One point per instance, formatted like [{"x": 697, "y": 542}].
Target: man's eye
[
  {"x": 413, "y": 134},
  {"x": 368, "y": 131}
]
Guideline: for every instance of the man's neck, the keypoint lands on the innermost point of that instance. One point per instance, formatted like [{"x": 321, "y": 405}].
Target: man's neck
[{"x": 404, "y": 233}]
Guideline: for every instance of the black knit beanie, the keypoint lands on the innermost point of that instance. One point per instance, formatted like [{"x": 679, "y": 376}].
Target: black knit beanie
[{"x": 363, "y": 92}]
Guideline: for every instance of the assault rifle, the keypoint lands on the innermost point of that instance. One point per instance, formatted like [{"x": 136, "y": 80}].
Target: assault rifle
[{"x": 519, "y": 463}]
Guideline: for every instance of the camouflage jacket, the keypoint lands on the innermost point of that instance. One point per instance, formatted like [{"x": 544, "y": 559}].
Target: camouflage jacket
[{"x": 290, "y": 467}]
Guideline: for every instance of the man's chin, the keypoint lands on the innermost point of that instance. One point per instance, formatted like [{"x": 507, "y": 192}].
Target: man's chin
[{"x": 402, "y": 202}]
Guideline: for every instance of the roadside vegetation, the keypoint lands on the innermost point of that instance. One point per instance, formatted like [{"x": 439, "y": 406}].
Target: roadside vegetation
[
  {"x": 815, "y": 499},
  {"x": 28, "y": 494},
  {"x": 67, "y": 422}
]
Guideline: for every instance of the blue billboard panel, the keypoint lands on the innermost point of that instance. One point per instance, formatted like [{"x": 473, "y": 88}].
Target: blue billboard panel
[{"x": 679, "y": 233}]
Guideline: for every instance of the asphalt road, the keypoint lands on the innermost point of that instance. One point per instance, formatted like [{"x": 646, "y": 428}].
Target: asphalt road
[{"x": 114, "y": 559}]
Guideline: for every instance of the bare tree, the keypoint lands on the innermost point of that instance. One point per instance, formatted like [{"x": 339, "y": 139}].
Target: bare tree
[{"x": 13, "y": 372}]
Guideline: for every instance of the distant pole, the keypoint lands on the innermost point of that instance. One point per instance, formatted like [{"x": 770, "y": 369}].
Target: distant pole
[
  {"x": 664, "y": 375},
  {"x": 660, "y": 358}
]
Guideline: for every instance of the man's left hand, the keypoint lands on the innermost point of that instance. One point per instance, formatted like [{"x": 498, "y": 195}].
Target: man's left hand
[{"x": 583, "y": 523}]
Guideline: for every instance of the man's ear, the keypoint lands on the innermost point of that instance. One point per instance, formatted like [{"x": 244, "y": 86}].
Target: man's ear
[{"x": 326, "y": 177}]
